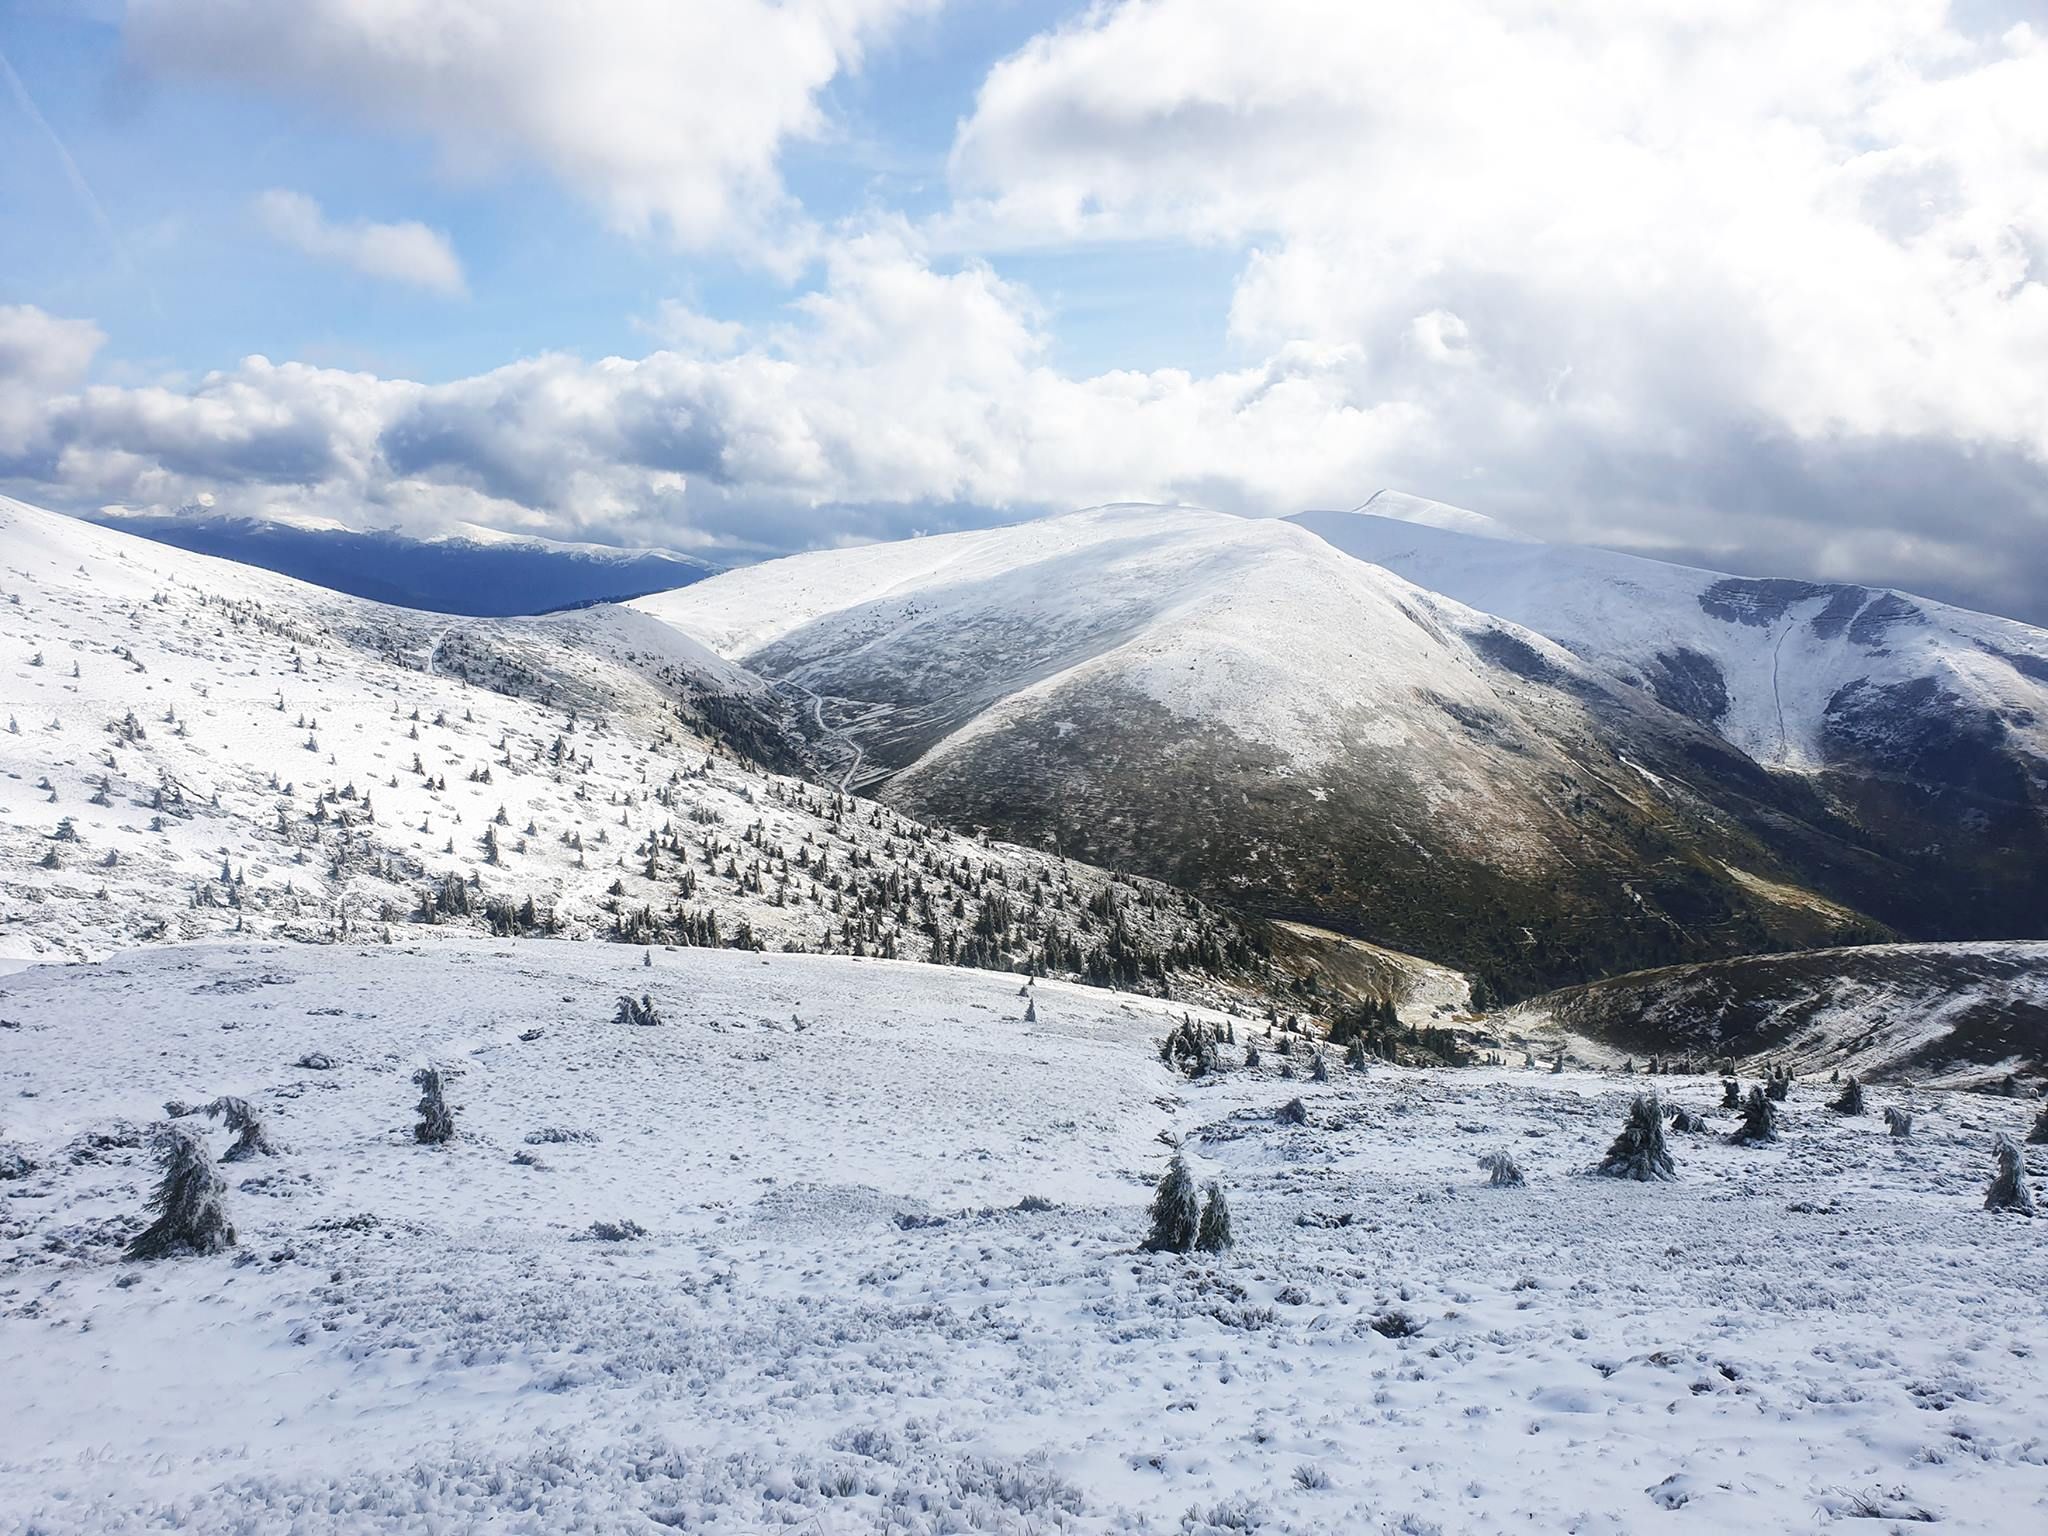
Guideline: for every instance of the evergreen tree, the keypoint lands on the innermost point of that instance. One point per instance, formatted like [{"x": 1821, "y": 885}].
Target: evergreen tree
[
  {"x": 1504, "y": 1172},
  {"x": 250, "y": 1137},
  {"x": 1759, "y": 1121},
  {"x": 437, "y": 1121},
  {"x": 2009, "y": 1190},
  {"x": 1031, "y": 1011},
  {"x": 2037, "y": 1134},
  {"x": 187, "y": 1201},
  {"x": 1778, "y": 1086},
  {"x": 1176, "y": 1213},
  {"x": 1212, "y": 1235},
  {"x": 1557, "y": 1063},
  {"x": 1898, "y": 1121},
  {"x": 1850, "y": 1102},
  {"x": 1731, "y": 1093},
  {"x": 1639, "y": 1151},
  {"x": 1320, "y": 1070}
]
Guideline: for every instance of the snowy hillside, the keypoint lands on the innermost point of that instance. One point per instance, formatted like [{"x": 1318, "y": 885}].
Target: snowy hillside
[
  {"x": 1237, "y": 707},
  {"x": 1775, "y": 666},
  {"x": 1950, "y": 1013},
  {"x": 1923, "y": 727},
  {"x": 193, "y": 747},
  {"x": 875, "y": 1266}
]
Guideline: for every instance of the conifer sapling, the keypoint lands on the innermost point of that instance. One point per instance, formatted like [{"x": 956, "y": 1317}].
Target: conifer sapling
[
  {"x": 2009, "y": 1190},
  {"x": 1639, "y": 1152},
  {"x": 187, "y": 1201},
  {"x": 437, "y": 1121},
  {"x": 1212, "y": 1235},
  {"x": 1176, "y": 1213},
  {"x": 1759, "y": 1121}
]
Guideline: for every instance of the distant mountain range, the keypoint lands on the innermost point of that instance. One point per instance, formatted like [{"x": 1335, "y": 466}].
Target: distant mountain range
[
  {"x": 1543, "y": 764},
  {"x": 478, "y": 573}
]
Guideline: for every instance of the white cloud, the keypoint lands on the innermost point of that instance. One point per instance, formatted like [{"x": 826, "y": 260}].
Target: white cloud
[
  {"x": 1641, "y": 227},
  {"x": 686, "y": 329},
  {"x": 39, "y": 354},
  {"x": 407, "y": 252},
  {"x": 660, "y": 113}
]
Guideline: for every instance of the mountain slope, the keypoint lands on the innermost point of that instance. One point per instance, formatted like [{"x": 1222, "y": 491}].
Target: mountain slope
[
  {"x": 194, "y": 747},
  {"x": 1923, "y": 727},
  {"x": 1948, "y": 1013},
  {"x": 1237, "y": 707},
  {"x": 479, "y": 572}
]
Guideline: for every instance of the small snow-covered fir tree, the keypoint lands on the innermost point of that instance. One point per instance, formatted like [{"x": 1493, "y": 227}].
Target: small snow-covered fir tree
[
  {"x": 637, "y": 1011},
  {"x": 1212, "y": 1234},
  {"x": 1251, "y": 1053},
  {"x": 1176, "y": 1212},
  {"x": 1898, "y": 1121},
  {"x": 437, "y": 1121},
  {"x": 1731, "y": 1093},
  {"x": 1850, "y": 1100},
  {"x": 1557, "y": 1063},
  {"x": 190, "y": 1217},
  {"x": 1639, "y": 1152},
  {"x": 1293, "y": 1112},
  {"x": 2009, "y": 1190},
  {"x": 2037, "y": 1134},
  {"x": 1759, "y": 1121},
  {"x": 1031, "y": 1010},
  {"x": 1778, "y": 1086},
  {"x": 1502, "y": 1169},
  {"x": 251, "y": 1140},
  {"x": 1319, "y": 1070}
]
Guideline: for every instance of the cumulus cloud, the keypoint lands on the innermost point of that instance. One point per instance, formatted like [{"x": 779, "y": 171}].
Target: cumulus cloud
[
  {"x": 407, "y": 252},
  {"x": 900, "y": 395},
  {"x": 39, "y": 353},
  {"x": 661, "y": 114},
  {"x": 1581, "y": 239}
]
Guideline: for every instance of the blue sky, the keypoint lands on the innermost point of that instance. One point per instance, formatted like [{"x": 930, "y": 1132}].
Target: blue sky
[{"x": 1758, "y": 289}]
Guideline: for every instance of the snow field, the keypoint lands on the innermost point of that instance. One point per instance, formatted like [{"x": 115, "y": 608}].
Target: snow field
[{"x": 839, "y": 1318}]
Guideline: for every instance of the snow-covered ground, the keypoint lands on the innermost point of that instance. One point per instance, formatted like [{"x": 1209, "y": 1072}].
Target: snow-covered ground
[
  {"x": 190, "y": 747},
  {"x": 840, "y": 1318}
]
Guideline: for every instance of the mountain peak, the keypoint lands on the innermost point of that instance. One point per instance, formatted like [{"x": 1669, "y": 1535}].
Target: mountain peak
[{"x": 1401, "y": 507}]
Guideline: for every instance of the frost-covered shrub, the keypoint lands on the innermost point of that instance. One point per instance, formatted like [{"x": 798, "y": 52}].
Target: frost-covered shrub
[
  {"x": 315, "y": 1061},
  {"x": 1176, "y": 1212},
  {"x": 1898, "y": 1121},
  {"x": 1251, "y": 1053},
  {"x": 2037, "y": 1134},
  {"x": 1639, "y": 1151},
  {"x": 1759, "y": 1121},
  {"x": 1850, "y": 1101},
  {"x": 437, "y": 1121},
  {"x": 1502, "y": 1169},
  {"x": 1310, "y": 1475},
  {"x": 622, "y": 1230},
  {"x": 641, "y": 1011},
  {"x": 1778, "y": 1086},
  {"x": 1319, "y": 1069},
  {"x": 1213, "y": 1233},
  {"x": 190, "y": 1216},
  {"x": 2009, "y": 1190},
  {"x": 1293, "y": 1112},
  {"x": 15, "y": 1163},
  {"x": 1683, "y": 1119},
  {"x": 1396, "y": 1324},
  {"x": 251, "y": 1140}
]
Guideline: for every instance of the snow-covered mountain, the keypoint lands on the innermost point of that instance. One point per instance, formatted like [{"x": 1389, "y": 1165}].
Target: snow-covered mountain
[
  {"x": 194, "y": 748},
  {"x": 1240, "y": 707},
  {"x": 1923, "y": 726},
  {"x": 1954, "y": 1014},
  {"x": 472, "y": 571}
]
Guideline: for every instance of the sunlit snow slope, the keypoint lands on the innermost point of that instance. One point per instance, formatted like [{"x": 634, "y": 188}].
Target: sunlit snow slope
[
  {"x": 1238, "y": 706},
  {"x": 194, "y": 747}
]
